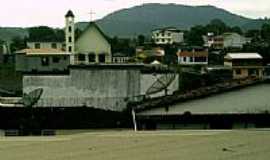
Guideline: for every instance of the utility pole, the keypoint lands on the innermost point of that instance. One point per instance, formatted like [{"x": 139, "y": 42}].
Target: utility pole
[
  {"x": 134, "y": 119},
  {"x": 91, "y": 15}
]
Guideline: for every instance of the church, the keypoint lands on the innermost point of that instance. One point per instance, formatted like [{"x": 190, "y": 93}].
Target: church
[{"x": 91, "y": 46}]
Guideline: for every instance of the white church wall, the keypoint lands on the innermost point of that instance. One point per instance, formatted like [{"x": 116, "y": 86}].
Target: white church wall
[{"x": 93, "y": 42}]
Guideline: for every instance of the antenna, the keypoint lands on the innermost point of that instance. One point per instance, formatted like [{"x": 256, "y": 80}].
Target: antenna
[
  {"x": 30, "y": 99},
  {"x": 162, "y": 83}
]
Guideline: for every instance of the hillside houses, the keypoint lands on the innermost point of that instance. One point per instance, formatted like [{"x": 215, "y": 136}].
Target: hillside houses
[
  {"x": 226, "y": 40},
  {"x": 167, "y": 35}
]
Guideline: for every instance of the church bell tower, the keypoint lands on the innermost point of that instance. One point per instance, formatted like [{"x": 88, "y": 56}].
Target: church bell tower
[{"x": 70, "y": 32}]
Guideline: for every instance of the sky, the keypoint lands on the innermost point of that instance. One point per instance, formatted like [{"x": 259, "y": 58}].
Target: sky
[{"x": 26, "y": 13}]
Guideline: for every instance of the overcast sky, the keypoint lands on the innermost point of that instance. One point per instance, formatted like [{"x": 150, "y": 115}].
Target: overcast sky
[{"x": 51, "y": 12}]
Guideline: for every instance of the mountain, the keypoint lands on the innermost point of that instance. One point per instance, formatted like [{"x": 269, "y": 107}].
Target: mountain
[
  {"x": 8, "y": 33},
  {"x": 144, "y": 18}
]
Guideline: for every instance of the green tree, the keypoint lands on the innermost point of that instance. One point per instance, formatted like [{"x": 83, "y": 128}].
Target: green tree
[
  {"x": 170, "y": 54},
  {"x": 141, "y": 40},
  {"x": 44, "y": 33},
  {"x": 217, "y": 26},
  {"x": 237, "y": 29},
  {"x": 17, "y": 43},
  {"x": 194, "y": 36},
  {"x": 265, "y": 32}
]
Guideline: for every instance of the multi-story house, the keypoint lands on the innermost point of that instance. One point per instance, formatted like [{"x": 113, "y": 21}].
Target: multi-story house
[
  {"x": 168, "y": 35},
  {"x": 245, "y": 65},
  {"x": 226, "y": 40}
]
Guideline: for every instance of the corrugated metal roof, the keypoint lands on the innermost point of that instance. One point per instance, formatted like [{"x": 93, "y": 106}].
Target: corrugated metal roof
[
  {"x": 252, "y": 100},
  {"x": 42, "y": 51},
  {"x": 243, "y": 56}
]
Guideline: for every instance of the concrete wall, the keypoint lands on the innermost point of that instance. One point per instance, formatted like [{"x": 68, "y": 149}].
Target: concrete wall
[{"x": 99, "y": 88}]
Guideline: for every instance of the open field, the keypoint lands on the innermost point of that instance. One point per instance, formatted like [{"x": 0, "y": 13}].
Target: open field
[{"x": 151, "y": 145}]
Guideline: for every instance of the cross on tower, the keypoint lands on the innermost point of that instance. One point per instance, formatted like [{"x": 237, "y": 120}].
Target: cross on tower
[{"x": 91, "y": 15}]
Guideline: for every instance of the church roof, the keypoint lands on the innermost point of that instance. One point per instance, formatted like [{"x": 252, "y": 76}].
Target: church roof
[
  {"x": 93, "y": 24},
  {"x": 70, "y": 14}
]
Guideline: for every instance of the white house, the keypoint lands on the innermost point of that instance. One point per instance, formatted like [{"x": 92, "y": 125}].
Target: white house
[
  {"x": 120, "y": 58},
  {"x": 226, "y": 40},
  {"x": 91, "y": 46},
  {"x": 42, "y": 45},
  {"x": 168, "y": 35},
  {"x": 234, "y": 40},
  {"x": 192, "y": 57}
]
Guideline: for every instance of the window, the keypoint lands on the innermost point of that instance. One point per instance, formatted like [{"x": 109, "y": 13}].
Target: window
[
  {"x": 92, "y": 57},
  {"x": 70, "y": 49},
  {"x": 163, "y": 40},
  {"x": 101, "y": 58},
  {"x": 37, "y": 45},
  {"x": 54, "y": 45},
  {"x": 238, "y": 71},
  {"x": 162, "y": 34},
  {"x": 69, "y": 29},
  {"x": 81, "y": 57},
  {"x": 56, "y": 59},
  {"x": 69, "y": 39},
  {"x": 200, "y": 59},
  {"x": 252, "y": 72},
  {"x": 45, "y": 61},
  {"x": 169, "y": 34},
  {"x": 184, "y": 59},
  {"x": 191, "y": 59}
]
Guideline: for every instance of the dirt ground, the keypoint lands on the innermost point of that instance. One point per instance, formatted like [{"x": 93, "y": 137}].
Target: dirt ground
[{"x": 150, "y": 145}]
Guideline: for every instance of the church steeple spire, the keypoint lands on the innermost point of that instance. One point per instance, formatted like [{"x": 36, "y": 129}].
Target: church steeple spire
[
  {"x": 69, "y": 14},
  {"x": 70, "y": 32}
]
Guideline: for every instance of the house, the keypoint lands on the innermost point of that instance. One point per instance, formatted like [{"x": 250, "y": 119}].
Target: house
[
  {"x": 192, "y": 56},
  {"x": 42, "y": 45},
  {"x": 149, "y": 55},
  {"x": 42, "y": 60},
  {"x": 234, "y": 40},
  {"x": 245, "y": 65},
  {"x": 91, "y": 46},
  {"x": 167, "y": 35},
  {"x": 226, "y": 40},
  {"x": 120, "y": 58}
]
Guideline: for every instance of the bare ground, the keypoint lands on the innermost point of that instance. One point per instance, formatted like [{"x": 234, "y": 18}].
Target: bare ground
[{"x": 152, "y": 145}]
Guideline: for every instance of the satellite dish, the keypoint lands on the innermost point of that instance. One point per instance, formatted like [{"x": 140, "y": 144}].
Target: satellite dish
[
  {"x": 30, "y": 99},
  {"x": 162, "y": 83}
]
